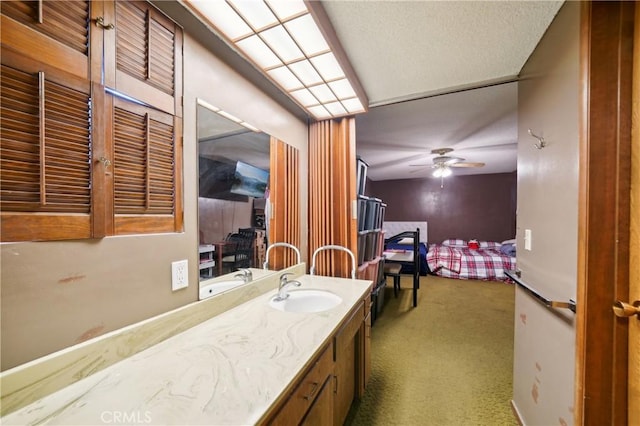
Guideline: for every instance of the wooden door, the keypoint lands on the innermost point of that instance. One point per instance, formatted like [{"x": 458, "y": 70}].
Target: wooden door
[{"x": 634, "y": 256}]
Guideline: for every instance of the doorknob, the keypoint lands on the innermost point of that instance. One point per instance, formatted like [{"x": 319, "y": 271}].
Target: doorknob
[{"x": 622, "y": 309}]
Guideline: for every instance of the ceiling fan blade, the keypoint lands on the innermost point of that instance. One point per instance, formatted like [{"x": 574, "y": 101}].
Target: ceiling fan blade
[
  {"x": 466, "y": 164},
  {"x": 419, "y": 165}
]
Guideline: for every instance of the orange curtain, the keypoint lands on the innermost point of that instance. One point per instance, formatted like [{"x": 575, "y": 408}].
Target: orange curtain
[
  {"x": 284, "y": 199},
  {"x": 332, "y": 194}
]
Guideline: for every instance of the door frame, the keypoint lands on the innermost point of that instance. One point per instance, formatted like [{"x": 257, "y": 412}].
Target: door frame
[{"x": 606, "y": 54}]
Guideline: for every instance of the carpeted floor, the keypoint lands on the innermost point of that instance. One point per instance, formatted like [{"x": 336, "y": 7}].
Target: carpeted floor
[{"x": 447, "y": 362}]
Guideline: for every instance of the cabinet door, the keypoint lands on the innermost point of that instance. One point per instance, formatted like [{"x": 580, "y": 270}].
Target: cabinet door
[
  {"x": 345, "y": 377},
  {"x": 366, "y": 353},
  {"x": 146, "y": 169},
  {"x": 45, "y": 152},
  {"x": 347, "y": 344},
  {"x": 147, "y": 61},
  {"x": 53, "y": 32},
  {"x": 321, "y": 413}
]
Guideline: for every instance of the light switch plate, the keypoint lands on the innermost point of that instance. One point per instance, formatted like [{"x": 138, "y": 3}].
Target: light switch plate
[
  {"x": 179, "y": 274},
  {"x": 527, "y": 239}
]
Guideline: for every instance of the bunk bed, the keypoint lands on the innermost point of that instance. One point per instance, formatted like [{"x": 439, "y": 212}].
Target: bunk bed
[{"x": 407, "y": 247}]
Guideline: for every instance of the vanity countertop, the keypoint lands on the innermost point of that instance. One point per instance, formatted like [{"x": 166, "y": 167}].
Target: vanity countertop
[{"x": 227, "y": 370}]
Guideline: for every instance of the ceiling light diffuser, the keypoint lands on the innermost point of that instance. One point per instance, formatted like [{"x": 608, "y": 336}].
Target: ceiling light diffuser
[{"x": 282, "y": 39}]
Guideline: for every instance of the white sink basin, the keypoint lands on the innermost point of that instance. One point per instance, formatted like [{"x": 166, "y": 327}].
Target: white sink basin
[
  {"x": 219, "y": 287},
  {"x": 306, "y": 301}
]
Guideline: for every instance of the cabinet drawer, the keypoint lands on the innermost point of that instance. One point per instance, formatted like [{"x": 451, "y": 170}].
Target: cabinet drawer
[{"x": 306, "y": 391}]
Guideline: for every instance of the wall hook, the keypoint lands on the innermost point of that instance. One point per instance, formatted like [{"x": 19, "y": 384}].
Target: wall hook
[{"x": 541, "y": 142}]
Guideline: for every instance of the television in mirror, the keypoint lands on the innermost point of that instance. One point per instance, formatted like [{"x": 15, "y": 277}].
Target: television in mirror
[{"x": 249, "y": 180}]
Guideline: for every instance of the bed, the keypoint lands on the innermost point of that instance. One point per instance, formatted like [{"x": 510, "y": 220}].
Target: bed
[
  {"x": 395, "y": 240},
  {"x": 406, "y": 244},
  {"x": 487, "y": 260}
]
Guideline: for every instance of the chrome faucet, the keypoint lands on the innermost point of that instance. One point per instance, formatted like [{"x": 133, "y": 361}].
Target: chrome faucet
[
  {"x": 282, "y": 288},
  {"x": 245, "y": 274}
]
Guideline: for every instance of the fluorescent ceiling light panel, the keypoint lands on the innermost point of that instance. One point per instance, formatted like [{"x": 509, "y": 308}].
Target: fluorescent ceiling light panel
[
  {"x": 282, "y": 39},
  {"x": 306, "y": 33},
  {"x": 335, "y": 108},
  {"x": 229, "y": 116},
  {"x": 305, "y": 97},
  {"x": 223, "y": 17},
  {"x": 207, "y": 105},
  {"x": 285, "y": 78},
  {"x": 319, "y": 112},
  {"x": 342, "y": 89},
  {"x": 323, "y": 93},
  {"x": 305, "y": 72},
  {"x": 257, "y": 13},
  {"x": 353, "y": 105},
  {"x": 287, "y": 9},
  {"x": 259, "y": 52},
  {"x": 327, "y": 66},
  {"x": 279, "y": 41},
  {"x": 249, "y": 126}
]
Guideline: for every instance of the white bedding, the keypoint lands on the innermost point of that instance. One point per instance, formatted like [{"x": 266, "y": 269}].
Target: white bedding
[{"x": 395, "y": 228}]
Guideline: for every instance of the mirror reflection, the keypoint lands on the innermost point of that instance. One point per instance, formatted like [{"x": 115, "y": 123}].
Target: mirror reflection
[{"x": 233, "y": 170}]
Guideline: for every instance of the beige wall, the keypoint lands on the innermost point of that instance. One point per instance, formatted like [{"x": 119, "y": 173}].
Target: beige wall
[
  {"x": 56, "y": 294},
  {"x": 544, "y": 343}
]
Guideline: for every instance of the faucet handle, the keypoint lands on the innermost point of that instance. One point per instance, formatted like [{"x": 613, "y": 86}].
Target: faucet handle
[{"x": 283, "y": 277}]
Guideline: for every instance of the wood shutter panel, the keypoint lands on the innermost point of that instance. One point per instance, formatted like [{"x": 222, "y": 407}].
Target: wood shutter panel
[
  {"x": 284, "y": 195},
  {"x": 56, "y": 34},
  {"x": 45, "y": 156},
  {"x": 147, "y": 171},
  {"x": 148, "y": 57}
]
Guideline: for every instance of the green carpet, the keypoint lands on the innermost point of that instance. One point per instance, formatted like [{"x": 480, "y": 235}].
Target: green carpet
[{"x": 447, "y": 362}]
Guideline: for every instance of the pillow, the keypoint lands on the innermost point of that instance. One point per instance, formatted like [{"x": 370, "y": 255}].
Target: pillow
[
  {"x": 508, "y": 249},
  {"x": 490, "y": 244},
  {"x": 512, "y": 241},
  {"x": 455, "y": 243},
  {"x": 408, "y": 240}
]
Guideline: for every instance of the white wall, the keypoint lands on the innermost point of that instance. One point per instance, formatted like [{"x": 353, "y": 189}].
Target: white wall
[
  {"x": 544, "y": 341},
  {"x": 57, "y": 294}
]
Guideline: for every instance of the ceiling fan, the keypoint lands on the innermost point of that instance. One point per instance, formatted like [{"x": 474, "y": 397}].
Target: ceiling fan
[{"x": 442, "y": 163}]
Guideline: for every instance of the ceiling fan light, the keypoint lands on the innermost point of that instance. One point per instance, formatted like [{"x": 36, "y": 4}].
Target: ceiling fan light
[
  {"x": 446, "y": 172},
  {"x": 437, "y": 172}
]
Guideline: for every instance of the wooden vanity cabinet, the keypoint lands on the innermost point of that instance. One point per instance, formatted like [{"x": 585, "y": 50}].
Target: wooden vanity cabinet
[
  {"x": 324, "y": 393},
  {"x": 310, "y": 401}
]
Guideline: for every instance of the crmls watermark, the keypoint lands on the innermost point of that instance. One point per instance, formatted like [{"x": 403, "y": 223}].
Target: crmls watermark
[{"x": 126, "y": 417}]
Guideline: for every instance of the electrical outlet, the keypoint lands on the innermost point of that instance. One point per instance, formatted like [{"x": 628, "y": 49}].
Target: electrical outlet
[{"x": 179, "y": 274}]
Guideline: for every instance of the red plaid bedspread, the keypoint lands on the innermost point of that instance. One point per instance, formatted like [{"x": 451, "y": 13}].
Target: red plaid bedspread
[{"x": 468, "y": 264}]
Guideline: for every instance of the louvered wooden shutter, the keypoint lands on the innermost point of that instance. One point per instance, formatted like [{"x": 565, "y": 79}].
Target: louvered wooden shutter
[
  {"x": 146, "y": 169},
  {"x": 45, "y": 156},
  {"x": 56, "y": 34},
  {"x": 148, "y": 56}
]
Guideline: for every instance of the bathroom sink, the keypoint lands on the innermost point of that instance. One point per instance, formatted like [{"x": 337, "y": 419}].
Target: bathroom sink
[
  {"x": 306, "y": 301},
  {"x": 219, "y": 287}
]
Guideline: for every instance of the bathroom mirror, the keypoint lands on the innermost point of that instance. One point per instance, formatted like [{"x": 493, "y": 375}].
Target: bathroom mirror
[{"x": 233, "y": 178}]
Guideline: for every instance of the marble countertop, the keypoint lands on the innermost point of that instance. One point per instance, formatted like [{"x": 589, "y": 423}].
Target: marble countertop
[{"x": 227, "y": 370}]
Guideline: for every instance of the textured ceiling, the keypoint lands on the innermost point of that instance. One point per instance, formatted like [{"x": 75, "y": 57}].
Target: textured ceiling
[
  {"x": 480, "y": 125},
  {"x": 426, "y": 55}
]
